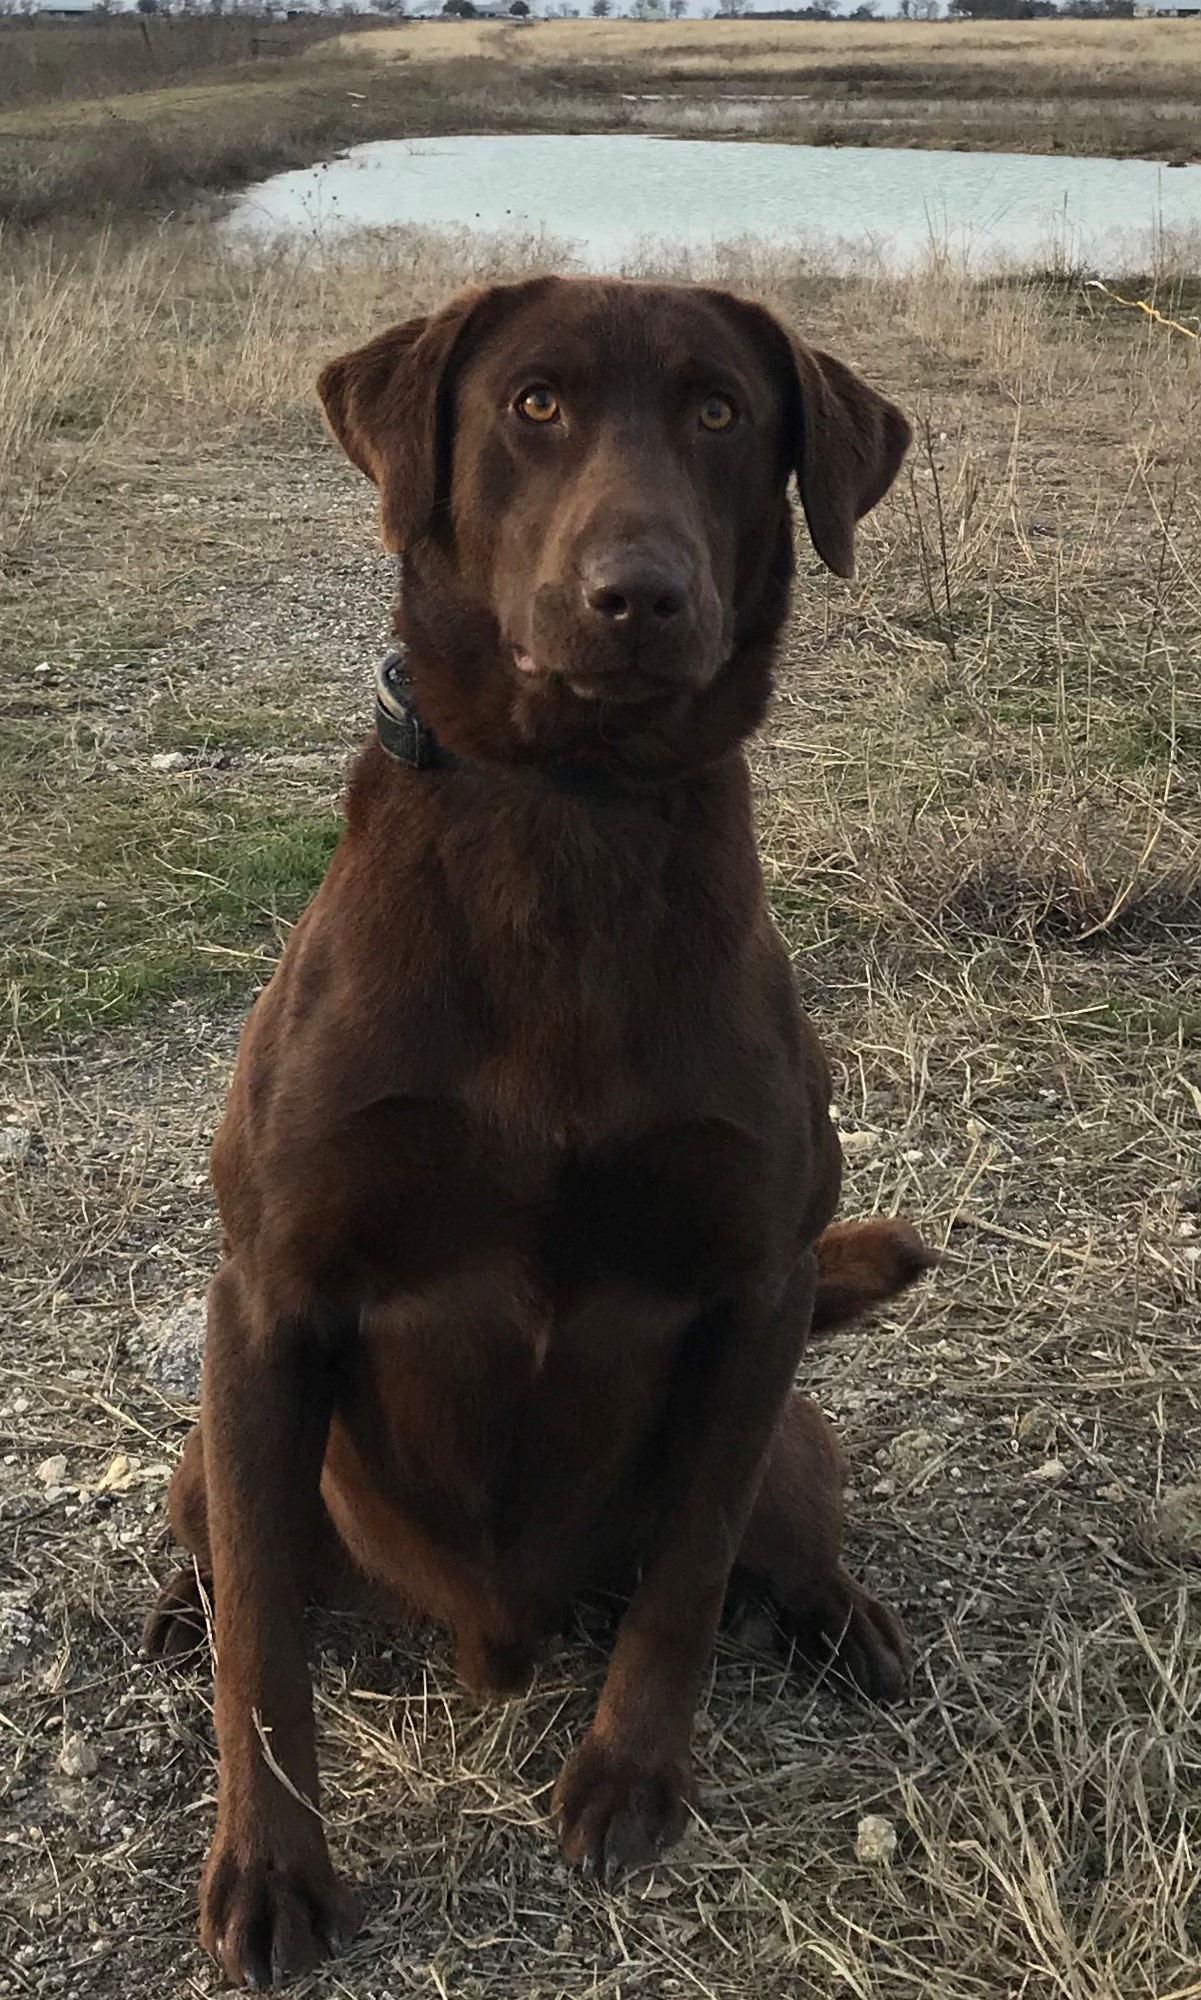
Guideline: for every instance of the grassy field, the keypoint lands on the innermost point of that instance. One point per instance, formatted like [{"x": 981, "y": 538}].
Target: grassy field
[
  {"x": 980, "y": 809},
  {"x": 96, "y": 122},
  {"x": 1114, "y": 87},
  {"x": 45, "y": 62}
]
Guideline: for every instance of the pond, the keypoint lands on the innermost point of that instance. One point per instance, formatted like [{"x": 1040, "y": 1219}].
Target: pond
[{"x": 613, "y": 196}]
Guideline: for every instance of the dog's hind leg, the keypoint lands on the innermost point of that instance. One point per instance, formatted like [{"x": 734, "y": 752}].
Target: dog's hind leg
[
  {"x": 792, "y": 1552},
  {"x": 792, "y": 1548},
  {"x": 178, "y": 1623}
]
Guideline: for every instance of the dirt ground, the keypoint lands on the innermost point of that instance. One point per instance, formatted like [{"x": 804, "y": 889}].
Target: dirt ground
[{"x": 980, "y": 812}]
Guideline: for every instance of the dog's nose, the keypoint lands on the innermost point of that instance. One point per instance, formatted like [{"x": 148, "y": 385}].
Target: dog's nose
[{"x": 633, "y": 591}]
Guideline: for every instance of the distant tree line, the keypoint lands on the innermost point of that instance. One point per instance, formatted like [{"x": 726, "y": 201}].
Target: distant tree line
[
  {"x": 1039, "y": 10},
  {"x": 637, "y": 10},
  {"x": 832, "y": 10},
  {"x": 931, "y": 10}
]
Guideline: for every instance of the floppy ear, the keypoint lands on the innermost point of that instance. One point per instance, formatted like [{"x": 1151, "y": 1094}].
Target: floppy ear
[
  {"x": 848, "y": 441},
  {"x": 385, "y": 404},
  {"x": 851, "y": 446}
]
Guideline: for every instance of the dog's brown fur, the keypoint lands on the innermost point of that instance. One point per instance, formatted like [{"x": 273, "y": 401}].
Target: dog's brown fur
[{"x": 527, "y": 1160}]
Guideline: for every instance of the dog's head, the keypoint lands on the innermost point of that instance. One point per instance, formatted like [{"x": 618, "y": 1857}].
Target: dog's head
[{"x": 586, "y": 479}]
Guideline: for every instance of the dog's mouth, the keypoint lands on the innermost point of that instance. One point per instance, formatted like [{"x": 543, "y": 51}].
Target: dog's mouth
[{"x": 632, "y": 688}]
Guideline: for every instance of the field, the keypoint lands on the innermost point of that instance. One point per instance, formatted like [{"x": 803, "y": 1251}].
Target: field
[
  {"x": 128, "y": 117},
  {"x": 981, "y": 817},
  {"x": 1028, "y": 86},
  {"x": 980, "y": 809}
]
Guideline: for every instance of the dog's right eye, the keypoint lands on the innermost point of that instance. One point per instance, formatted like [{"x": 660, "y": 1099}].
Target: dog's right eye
[
  {"x": 538, "y": 405},
  {"x": 717, "y": 413}
]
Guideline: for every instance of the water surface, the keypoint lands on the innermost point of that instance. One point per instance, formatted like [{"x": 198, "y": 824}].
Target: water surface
[{"x": 611, "y": 195}]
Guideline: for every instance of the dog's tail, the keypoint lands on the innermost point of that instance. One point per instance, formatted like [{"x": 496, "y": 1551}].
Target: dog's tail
[{"x": 861, "y": 1264}]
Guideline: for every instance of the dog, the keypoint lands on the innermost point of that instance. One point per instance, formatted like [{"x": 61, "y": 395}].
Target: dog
[{"x": 527, "y": 1173}]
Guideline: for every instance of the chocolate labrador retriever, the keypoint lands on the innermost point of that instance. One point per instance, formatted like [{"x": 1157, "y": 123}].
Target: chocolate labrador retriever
[{"x": 528, "y": 1160}]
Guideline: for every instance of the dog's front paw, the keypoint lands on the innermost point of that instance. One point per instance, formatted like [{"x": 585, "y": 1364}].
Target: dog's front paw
[
  {"x": 271, "y": 1908},
  {"x": 614, "y": 1812}
]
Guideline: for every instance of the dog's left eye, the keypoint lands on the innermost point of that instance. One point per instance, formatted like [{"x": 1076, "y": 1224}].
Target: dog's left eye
[
  {"x": 538, "y": 405},
  {"x": 717, "y": 413}
]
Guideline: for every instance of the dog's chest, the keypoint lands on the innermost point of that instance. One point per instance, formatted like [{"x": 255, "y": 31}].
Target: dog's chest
[
  {"x": 678, "y": 1211},
  {"x": 422, "y": 1194},
  {"x": 523, "y": 1378}
]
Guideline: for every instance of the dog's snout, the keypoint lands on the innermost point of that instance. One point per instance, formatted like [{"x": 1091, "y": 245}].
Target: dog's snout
[
  {"x": 637, "y": 616},
  {"x": 634, "y": 591}
]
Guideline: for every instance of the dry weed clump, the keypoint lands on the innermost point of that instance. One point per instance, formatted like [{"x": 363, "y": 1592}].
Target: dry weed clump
[
  {"x": 1047, "y": 868},
  {"x": 181, "y": 335}
]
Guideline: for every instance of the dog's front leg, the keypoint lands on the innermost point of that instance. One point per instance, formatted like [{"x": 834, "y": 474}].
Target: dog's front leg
[
  {"x": 270, "y": 1904},
  {"x": 623, "y": 1796}
]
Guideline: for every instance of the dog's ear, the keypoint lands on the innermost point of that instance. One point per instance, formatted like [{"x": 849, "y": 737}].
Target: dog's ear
[
  {"x": 388, "y": 404},
  {"x": 850, "y": 450},
  {"x": 845, "y": 440},
  {"x": 385, "y": 405}
]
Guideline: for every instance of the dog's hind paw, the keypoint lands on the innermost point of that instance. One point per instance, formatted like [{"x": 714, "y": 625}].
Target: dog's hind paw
[
  {"x": 843, "y": 1629},
  {"x": 177, "y": 1626}
]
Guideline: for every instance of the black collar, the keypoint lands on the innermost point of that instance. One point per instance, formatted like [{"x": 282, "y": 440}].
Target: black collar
[
  {"x": 400, "y": 729},
  {"x": 408, "y": 741}
]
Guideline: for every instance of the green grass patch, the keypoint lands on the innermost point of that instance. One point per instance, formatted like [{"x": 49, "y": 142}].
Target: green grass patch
[
  {"x": 246, "y": 725},
  {"x": 119, "y": 898},
  {"x": 1135, "y": 1021}
]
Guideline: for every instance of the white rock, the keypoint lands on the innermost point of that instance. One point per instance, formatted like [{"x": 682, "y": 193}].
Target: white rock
[
  {"x": 16, "y": 1144},
  {"x": 875, "y": 1839},
  {"x": 52, "y": 1471},
  {"x": 21, "y": 1630},
  {"x": 179, "y": 1348},
  {"x": 1176, "y": 1521},
  {"x": 77, "y": 1758},
  {"x": 169, "y": 760},
  {"x": 912, "y": 1451}
]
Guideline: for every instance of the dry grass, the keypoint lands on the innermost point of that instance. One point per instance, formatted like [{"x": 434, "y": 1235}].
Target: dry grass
[
  {"x": 1087, "y": 51},
  {"x": 981, "y": 819},
  {"x": 1117, "y": 87},
  {"x": 41, "y": 61}
]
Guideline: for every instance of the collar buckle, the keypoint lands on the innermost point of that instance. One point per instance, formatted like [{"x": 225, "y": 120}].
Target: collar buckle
[{"x": 397, "y": 724}]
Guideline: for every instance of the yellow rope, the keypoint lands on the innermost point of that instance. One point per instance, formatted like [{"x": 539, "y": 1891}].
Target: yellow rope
[{"x": 1141, "y": 305}]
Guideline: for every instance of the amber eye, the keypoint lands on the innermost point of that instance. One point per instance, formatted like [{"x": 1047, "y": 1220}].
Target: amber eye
[
  {"x": 538, "y": 406},
  {"x": 717, "y": 413}
]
